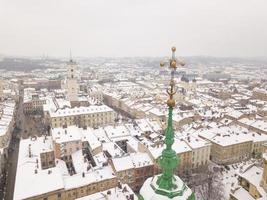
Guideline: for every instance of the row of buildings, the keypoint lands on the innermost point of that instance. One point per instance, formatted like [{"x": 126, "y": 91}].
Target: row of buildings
[{"x": 8, "y": 99}]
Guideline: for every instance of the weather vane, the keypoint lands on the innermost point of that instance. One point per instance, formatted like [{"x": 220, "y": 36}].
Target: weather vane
[{"x": 173, "y": 63}]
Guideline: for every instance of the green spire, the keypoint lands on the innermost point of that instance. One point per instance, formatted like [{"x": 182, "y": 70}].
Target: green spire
[
  {"x": 168, "y": 184},
  {"x": 168, "y": 160}
]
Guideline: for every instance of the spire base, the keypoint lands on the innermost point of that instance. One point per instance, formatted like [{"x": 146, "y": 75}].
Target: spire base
[{"x": 152, "y": 191}]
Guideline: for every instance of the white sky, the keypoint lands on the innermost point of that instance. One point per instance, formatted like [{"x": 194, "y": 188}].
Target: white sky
[{"x": 133, "y": 27}]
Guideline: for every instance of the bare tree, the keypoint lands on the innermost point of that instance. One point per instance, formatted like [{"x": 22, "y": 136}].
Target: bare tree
[{"x": 212, "y": 187}]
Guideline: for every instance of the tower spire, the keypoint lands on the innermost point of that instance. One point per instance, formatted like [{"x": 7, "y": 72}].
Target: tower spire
[
  {"x": 168, "y": 184},
  {"x": 169, "y": 160}
]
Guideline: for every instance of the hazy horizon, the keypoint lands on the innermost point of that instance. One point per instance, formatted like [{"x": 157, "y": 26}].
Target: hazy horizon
[{"x": 124, "y": 28}]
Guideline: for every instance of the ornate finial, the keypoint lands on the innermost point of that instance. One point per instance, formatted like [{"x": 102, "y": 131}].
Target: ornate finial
[
  {"x": 173, "y": 62},
  {"x": 167, "y": 183},
  {"x": 169, "y": 160}
]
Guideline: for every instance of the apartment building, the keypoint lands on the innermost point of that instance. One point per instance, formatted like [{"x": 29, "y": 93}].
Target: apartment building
[
  {"x": 32, "y": 101},
  {"x": 231, "y": 144},
  {"x": 252, "y": 183},
  {"x": 62, "y": 185},
  {"x": 124, "y": 169},
  {"x": 260, "y": 93},
  {"x": 68, "y": 140},
  {"x": 7, "y": 114},
  {"x": 143, "y": 169},
  {"x": 91, "y": 116},
  {"x": 200, "y": 151}
]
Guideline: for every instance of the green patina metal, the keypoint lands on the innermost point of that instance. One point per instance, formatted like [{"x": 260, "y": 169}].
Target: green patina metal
[{"x": 168, "y": 161}]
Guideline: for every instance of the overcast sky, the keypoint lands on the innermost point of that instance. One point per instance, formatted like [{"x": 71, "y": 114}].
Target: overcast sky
[{"x": 133, "y": 27}]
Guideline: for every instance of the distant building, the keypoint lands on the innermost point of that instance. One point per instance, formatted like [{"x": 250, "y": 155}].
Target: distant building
[
  {"x": 7, "y": 111},
  {"x": 231, "y": 144},
  {"x": 260, "y": 94},
  {"x": 91, "y": 116},
  {"x": 122, "y": 192},
  {"x": 71, "y": 81},
  {"x": 32, "y": 101},
  {"x": 51, "y": 178},
  {"x": 1, "y": 90},
  {"x": 217, "y": 76},
  {"x": 252, "y": 183}
]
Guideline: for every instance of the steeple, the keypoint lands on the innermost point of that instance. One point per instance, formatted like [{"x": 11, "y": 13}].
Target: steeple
[
  {"x": 71, "y": 60},
  {"x": 72, "y": 86},
  {"x": 167, "y": 185},
  {"x": 169, "y": 160}
]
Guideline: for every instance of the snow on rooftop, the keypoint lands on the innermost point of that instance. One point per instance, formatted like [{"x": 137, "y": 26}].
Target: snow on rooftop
[
  {"x": 253, "y": 174},
  {"x": 141, "y": 159},
  {"x": 241, "y": 193},
  {"x": 81, "y": 110},
  {"x": 29, "y": 171},
  {"x": 122, "y": 193},
  {"x": 134, "y": 130},
  {"x": 116, "y": 131},
  {"x": 113, "y": 149},
  {"x": 234, "y": 113},
  {"x": 26, "y": 167},
  {"x": 259, "y": 124},
  {"x": 63, "y": 135},
  {"x": 229, "y": 135},
  {"x": 101, "y": 134},
  {"x": 91, "y": 176},
  {"x": 122, "y": 163},
  {"x": 74, "y": 133},
  {"x": 144, "y": 125}
]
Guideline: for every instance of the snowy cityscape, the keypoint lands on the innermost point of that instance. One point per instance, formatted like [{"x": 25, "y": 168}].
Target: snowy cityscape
[
  {"x": 94, "y": 129},
  {"x": 133, "y": 100}
]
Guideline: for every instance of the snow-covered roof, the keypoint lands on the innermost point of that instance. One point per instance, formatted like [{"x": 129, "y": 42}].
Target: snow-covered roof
[
  {"x": 229, "y": 135},
  {"x": 116, "y": 131},
  {"x": 27, "y": 166},
  {"x": 122, "y": 163},
  {"x": 81, "y": 110},
  {"x": 141, "y": 160},
  {"x": 43, "y": 181},
  {"x": 122, "y": 193}
]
